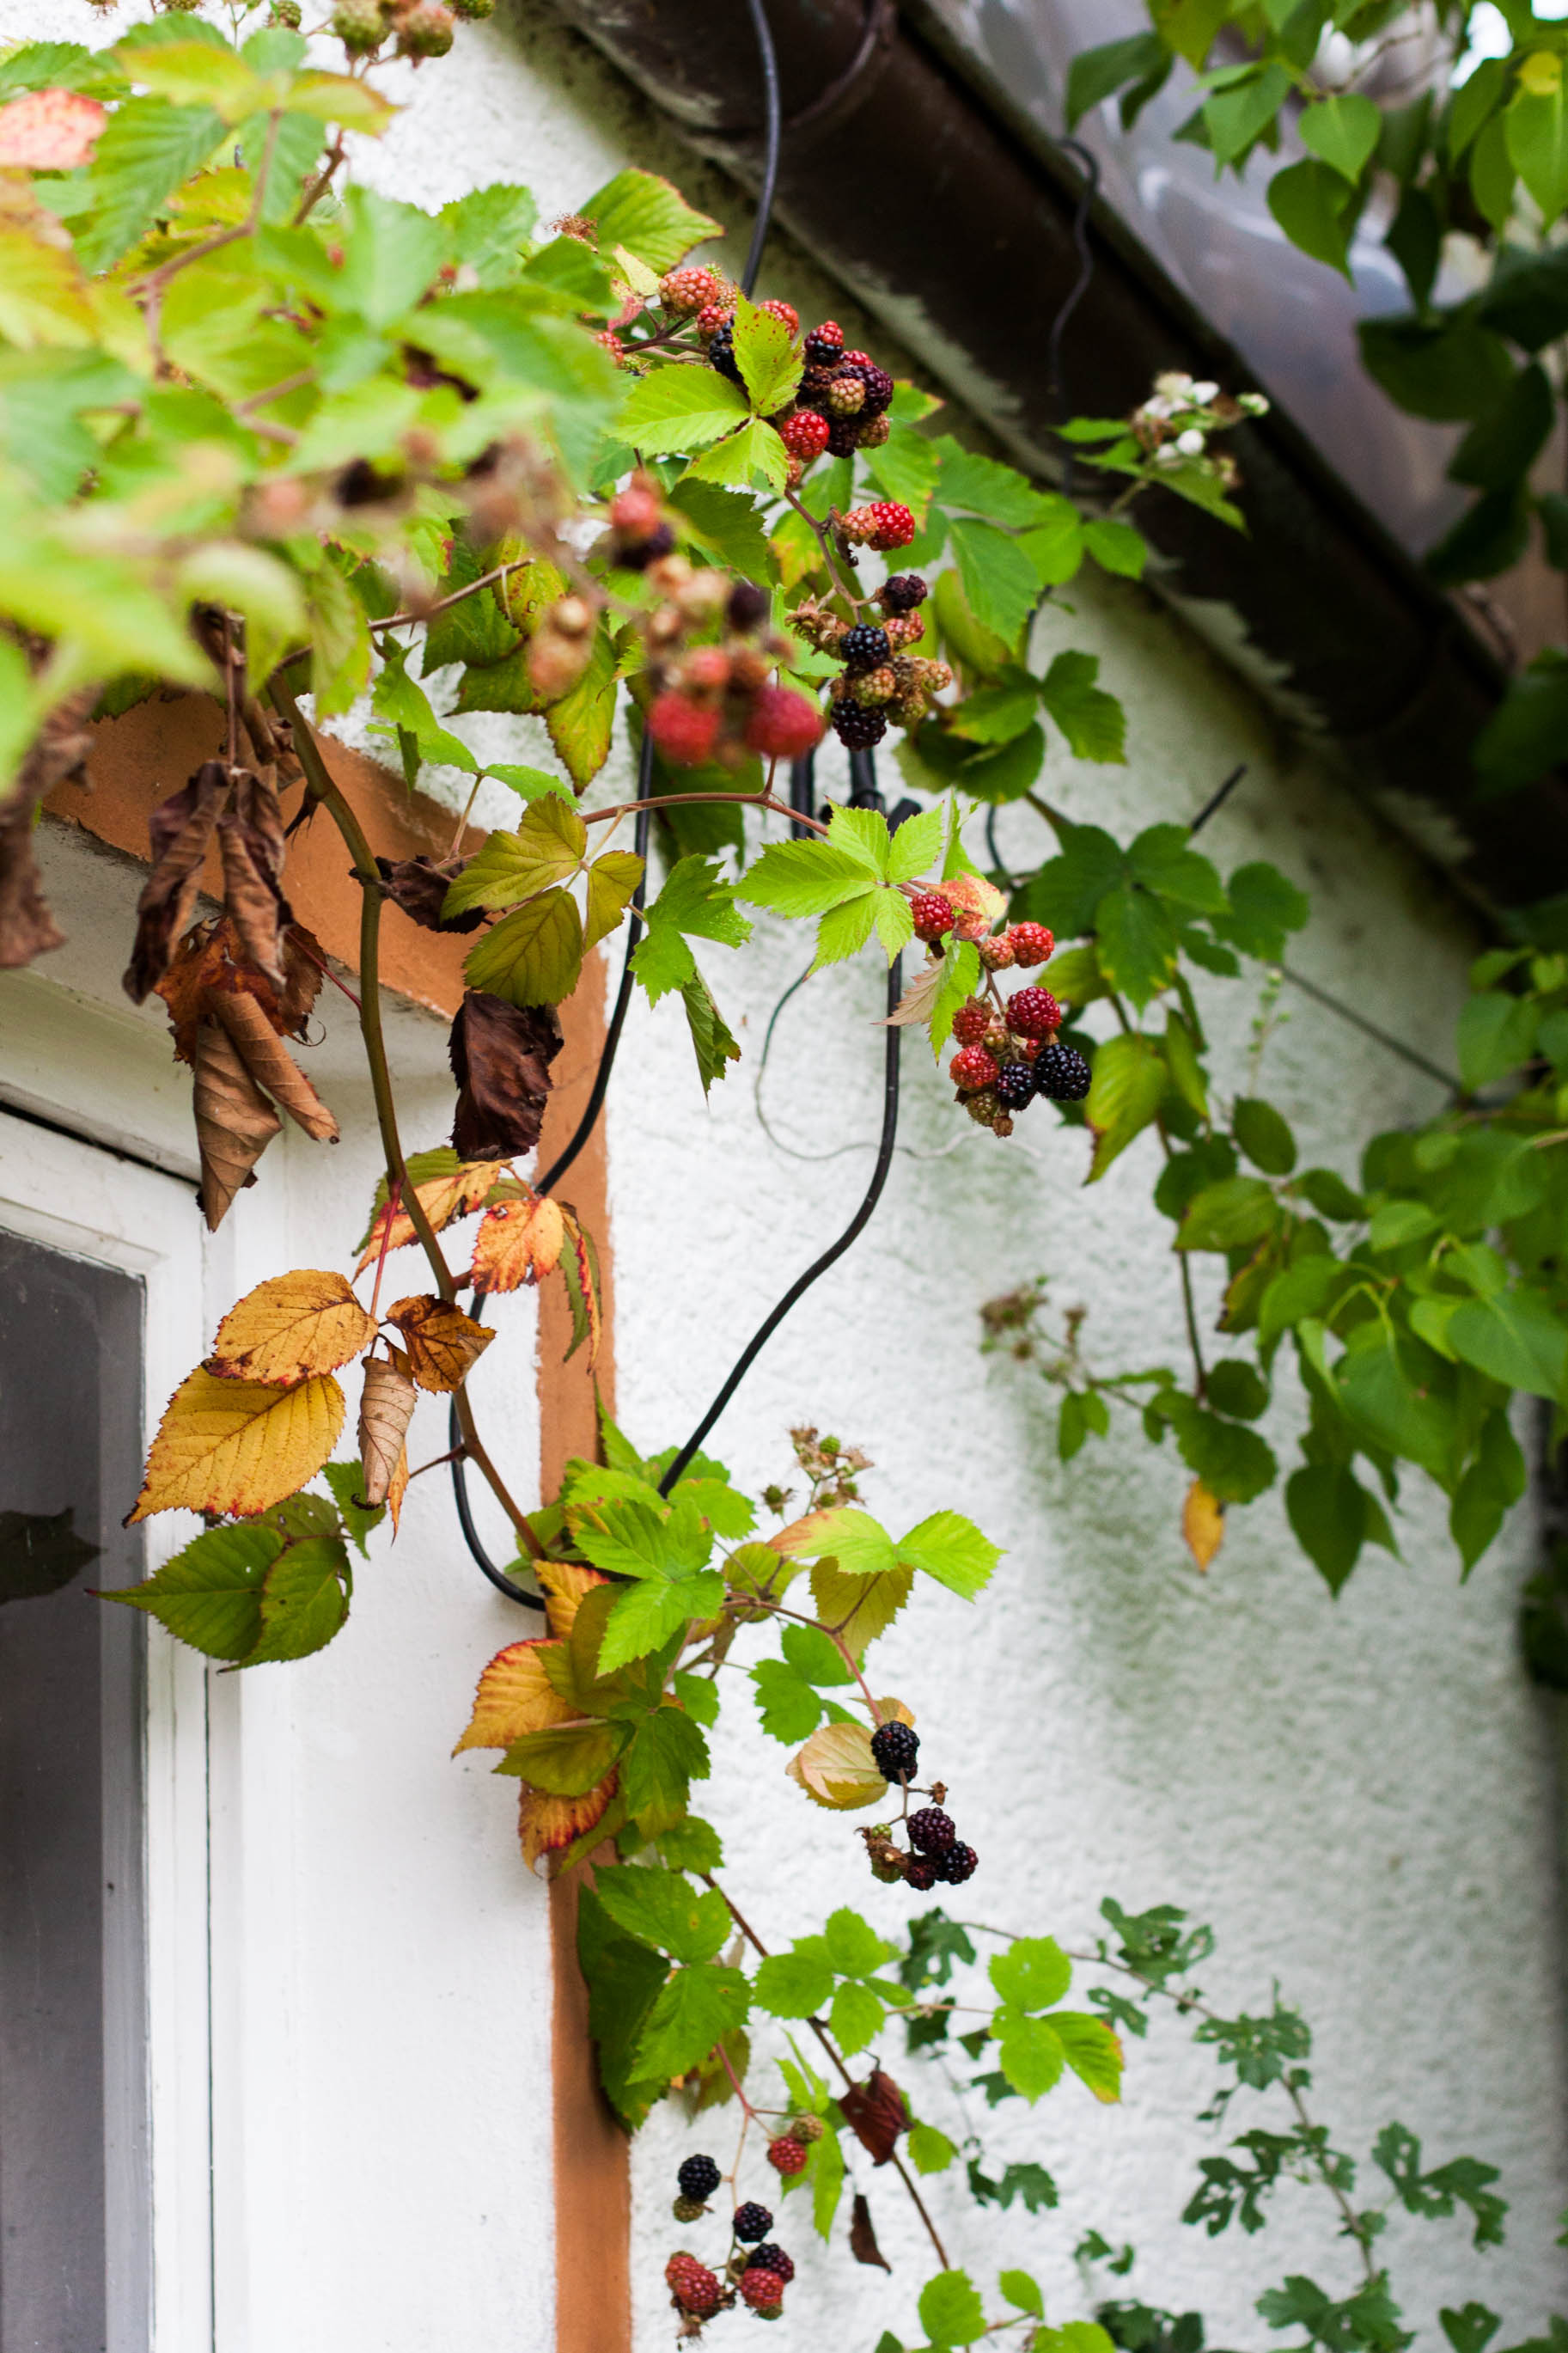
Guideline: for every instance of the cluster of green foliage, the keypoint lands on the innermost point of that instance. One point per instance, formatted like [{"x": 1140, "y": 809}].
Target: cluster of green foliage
[{"x": 1473, "y": 143}]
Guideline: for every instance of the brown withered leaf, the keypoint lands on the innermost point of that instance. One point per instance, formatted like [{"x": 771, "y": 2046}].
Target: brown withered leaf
[
  {"x": 501, "y": 1058},
  {"x": 308, "y": 1321},
  {"x": 210, "y": 957},
  {"x": 517, "y": 1242},
  {"x": 418, "y": 885},
  {"x": 251, "y": 842},
  {"x": 442, "y": 1198},
  {"x": 876, "y": 2114},
  {"x": 180, "y": 829},
  {"x": 27, "y": 927},
  {"x": 269, "y": 1064},
  {"x": 443, "y": 1343},
  {"x": 862, "y": 2235},
  {"x": 385, "y": 1405},
  {"x": 234, "y": 1122}
]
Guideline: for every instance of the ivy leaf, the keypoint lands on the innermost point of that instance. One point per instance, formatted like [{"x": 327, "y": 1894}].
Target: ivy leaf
[
  {"x": 694, "y": 2009},
  {"x": 678, "y": 409},
  {"x": 1092, "y": 721},
  {"x": 532, "y": 957}
]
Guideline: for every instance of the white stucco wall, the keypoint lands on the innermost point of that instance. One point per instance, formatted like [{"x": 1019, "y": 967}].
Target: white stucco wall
[{"x": 1358, "y": 1796}]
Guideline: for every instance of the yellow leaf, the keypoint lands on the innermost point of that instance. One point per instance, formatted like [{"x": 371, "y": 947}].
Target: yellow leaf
[
  {"x": 442, "y": 1198},
  {"x": 546, "y": 1824},
  {"x": 514, "y": 1698},
  {"x": 859, "y": 1608},
  {"x": 517, "y": 1242},
  {"x": 307, "y": 1322},
  {"x": 564, "y": 1585},
  {"x": 42, "y": 300},
  {"x": 835, "y": 1768},
  {"x": 1203, "y": 1523},
  {"x": 612, "y": 878},
  {"x": 234, "y": 1446},
  {"x": 442, "y": 1342}
]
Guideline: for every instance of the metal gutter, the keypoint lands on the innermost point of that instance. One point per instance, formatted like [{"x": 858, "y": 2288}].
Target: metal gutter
[{"x": 954, "y": 223}]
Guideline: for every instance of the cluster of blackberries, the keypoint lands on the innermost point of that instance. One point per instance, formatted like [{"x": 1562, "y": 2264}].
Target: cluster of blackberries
[
  {"x": 841, "y": 402},
  {"x": 935, "y": 1851},
  {"x": 756, "y": 2271},
  {"x": 881, "y": 678}
]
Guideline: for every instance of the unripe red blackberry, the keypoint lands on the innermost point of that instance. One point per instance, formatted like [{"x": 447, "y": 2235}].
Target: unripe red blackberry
[
  {"x": 857, "y": 728},
  {"x": 972, "y": 1021},
  {"x": 887, "y": 522},
  {"x": 752, "y": 2222},
  {"x": 783, "y": 725},
  {"x": 1033, "y": 944},
  {"x": 933, "y": 916},
  {"x": 931, "y": 1829},
  {"x": 762, "y": 2290},
  {"x": 997, "y": 953},
  {"x": 691, "y": 2284},
  {"x": 1061, "y": 1076},
  {"x": 902, "y": 593},
  {"x": 864, "y": 647},
  {"x": 895, "y": 1746},
  {"x": 904, "y": 629},
  {"x": 804, "y": 435},
  {"x": 786, "y": 2155},
  {"x": 957, "y": 1864},
  {"x": 972, "y": 1068},
  {"x": 687, "y": 291},
  {"x": 776, "y": 309},
  {"x": 425, "y": 30},
  {"x": 698, "y": 2178},
  {"x": 685, "y": 732},
  {"x": 1015, "y": 1086},
  {"x": 920, "y": 1872},
  {"x": 773, "y": 2259},
  {"x": 824, "y": 347},
  {"x": 714, "y": 315},
  {"x": 1033, "y": 1012}
]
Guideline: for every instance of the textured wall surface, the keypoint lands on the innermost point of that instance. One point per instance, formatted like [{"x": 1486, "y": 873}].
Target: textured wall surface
[{"x": 1358, "y": 1795}]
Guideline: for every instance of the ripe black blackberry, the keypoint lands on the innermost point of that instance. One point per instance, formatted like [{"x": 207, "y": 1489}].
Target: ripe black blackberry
[
  {"x": 1061, "y": 1074},
  {"x": 773, "y": 2259},
  {"x": 698, "y": 2178},
  {"x": 920, "y": 1872},
  {"x": 752, "y": 2223},
  {"x": 721, "y": 355},
  {"x": 865, "y": 646},
  {"x": 895, "y": 1747},
  {"x": 857, "y": 730},
  {"x": 878, "y": 387},
  {"x": 843, "y": 436},
  {"x": 903, "y": 592},
  {"x": 931, "y": 1829},
  {"x": 957, "y": 1864},
  {"x": 748, "y": 605},
  {"x": 1015, "y": 1084}
]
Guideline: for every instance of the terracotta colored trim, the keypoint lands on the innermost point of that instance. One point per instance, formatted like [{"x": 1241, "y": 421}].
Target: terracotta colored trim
[{"x": 151, "y": 750}]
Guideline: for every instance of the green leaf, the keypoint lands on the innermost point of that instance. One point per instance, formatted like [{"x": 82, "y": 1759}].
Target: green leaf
[
  {"x": 802, "y": 878},
  {"x": 794, "y": 1984},
  {"x": 1452, "y": 370},
  {"x": 622, "y": 1977},
  {"x": 612, "y": 878},
  {"x": 1067, "y": 889},
  {"x": 1239, "y": 115},
  {"x": 662, "y": 1909},
  {"x": 1515, "y": 1338},
  {"x": 1328, "y": 1513},
  {"x": 1528, "y": 732},
  {"x": 1092, "y": 2051},
  {"x": 1135, "y": 942},
  {"x": 1496, "y": 1037},
  {"x": 346, "y": 1480},
  {"x": 929, "y": 2151},
  {"x": 855, "y": 2016},
  {"x": 1343, "y": 129},
  {"x": 752, "y": 458},
  {"x": 1162, "y": 861},
  {"x": 816, "y": 1656},
  {"x": 1536, "y": 129},
  {"x": 1263, "y": 1135},
  {"x": 726, "y": 522},
  {"x": 693, "y": 2010},
  {"x": 1032, "y": 1974},
  {"x": 1473, "y": 101},
  {"x": 1056, "y": 546},
  {"x": 1263, "y": 908},
  {"x": 1314, "y": 209},
  {"x": 1235, "y": 1389},
  {"x": 1119, "y": 547},
  {"x": 668, "y": 1753},
  {"x": 1095, "y": 75},
  {"x": 1092, "y": 721},
  {"x": 789, "y": 1708},
  {"x": 678, "y": 409},
  {"x": 1000, "y": 585},
  {"x": 566, "y": 1761},
  {"x": 1489, "y": 538},
  {"x": 650, "y": 217},
  {"x": 950, "y": 2310},
  {"x": 149, "y": 148},
  {"x": 826, "y": 2179},
  {"x": 1501, "y": 446},
  {"x": 1023, "y": 2292},
  {"x": 998, "y": 492},
  {"x": 582, "y": 722},
  {"x": 304, "y": 1601},
  {"x": 766, "y": 355},
  {"x": 1231, "y": 1215},
  {"x": 1388, "y": 1396},
  {"x": 950, "y": 1549},
  {"x": 488, "y": 231},
  {"x": 547, "y": 848},
  {"x": 905, "y": 468},
  {"x": 1031, "y": 2053},
  {"x": 712, "y": 1041},
  {"x": 1128, "y": 1085},
  {"x": 209, "y": 1595},
  {"x": 1493, "y": 179},
  {"x": 532, "y": 957},
  {"x": 194, "y": 72}
]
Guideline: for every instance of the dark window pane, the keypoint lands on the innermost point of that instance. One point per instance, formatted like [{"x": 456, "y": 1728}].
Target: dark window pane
[{"x": 73, "y": 2129}]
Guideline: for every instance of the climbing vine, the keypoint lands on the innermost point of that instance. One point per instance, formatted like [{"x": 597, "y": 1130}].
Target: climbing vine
[{"x": 272, "y": 438}]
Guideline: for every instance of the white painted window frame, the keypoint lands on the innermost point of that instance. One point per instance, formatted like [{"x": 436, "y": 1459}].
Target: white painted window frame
[{"x": 72, "y": 1196}]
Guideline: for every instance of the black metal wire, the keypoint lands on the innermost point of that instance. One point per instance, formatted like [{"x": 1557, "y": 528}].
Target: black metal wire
[
  {"x": 1216, "y": 799},
  {"x": 768, "y": 60},
  {"x": 1089, "y": 165}
]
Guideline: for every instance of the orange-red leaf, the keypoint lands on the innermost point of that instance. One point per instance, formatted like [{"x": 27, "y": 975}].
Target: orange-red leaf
[
  {"x": 442, "y": 1198},
  {"x": 515, "y": 1697},
  {"x": 546, "y": 1824},
  {"x": 442, "y": 1342},
  {"x": 517, "y": 1242}
]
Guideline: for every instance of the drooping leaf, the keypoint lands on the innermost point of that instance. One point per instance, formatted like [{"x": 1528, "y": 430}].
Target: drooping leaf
[
  {"x": 291, "y": 1325},
  {"x": 236, "y": 1447}
]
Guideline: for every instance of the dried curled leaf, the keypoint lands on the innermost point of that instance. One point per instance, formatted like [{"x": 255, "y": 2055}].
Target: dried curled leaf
[
  {"x": 835, "y": 1768},
  {"x": 234, "y": 1122},
  {"x": 443, "y": 1343},
  {"x": 386, "y": 1402},
  {"x": 876, "y": 2113},
  {"x": 235, "y": 1448},
  {"x": 27, "y": 927},
  {"x": 500, "y": 1057},
  {"x": 517, "y": 1242},
  {"x": 442, "y": 1198},
  {"x": 270, "y": 1065},
  {"x": 863, "y": 2235},
  {"x": 210, "y": 957},
  {"x": 419, "y": 886},
  {"x": 180, "y": 829},
  {"x": 251, "y": 842},
  {"x": 1203, "y": 1523},
  {"x": 397, "y": 1489},
  {"x": 305, "y": 1322}
]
